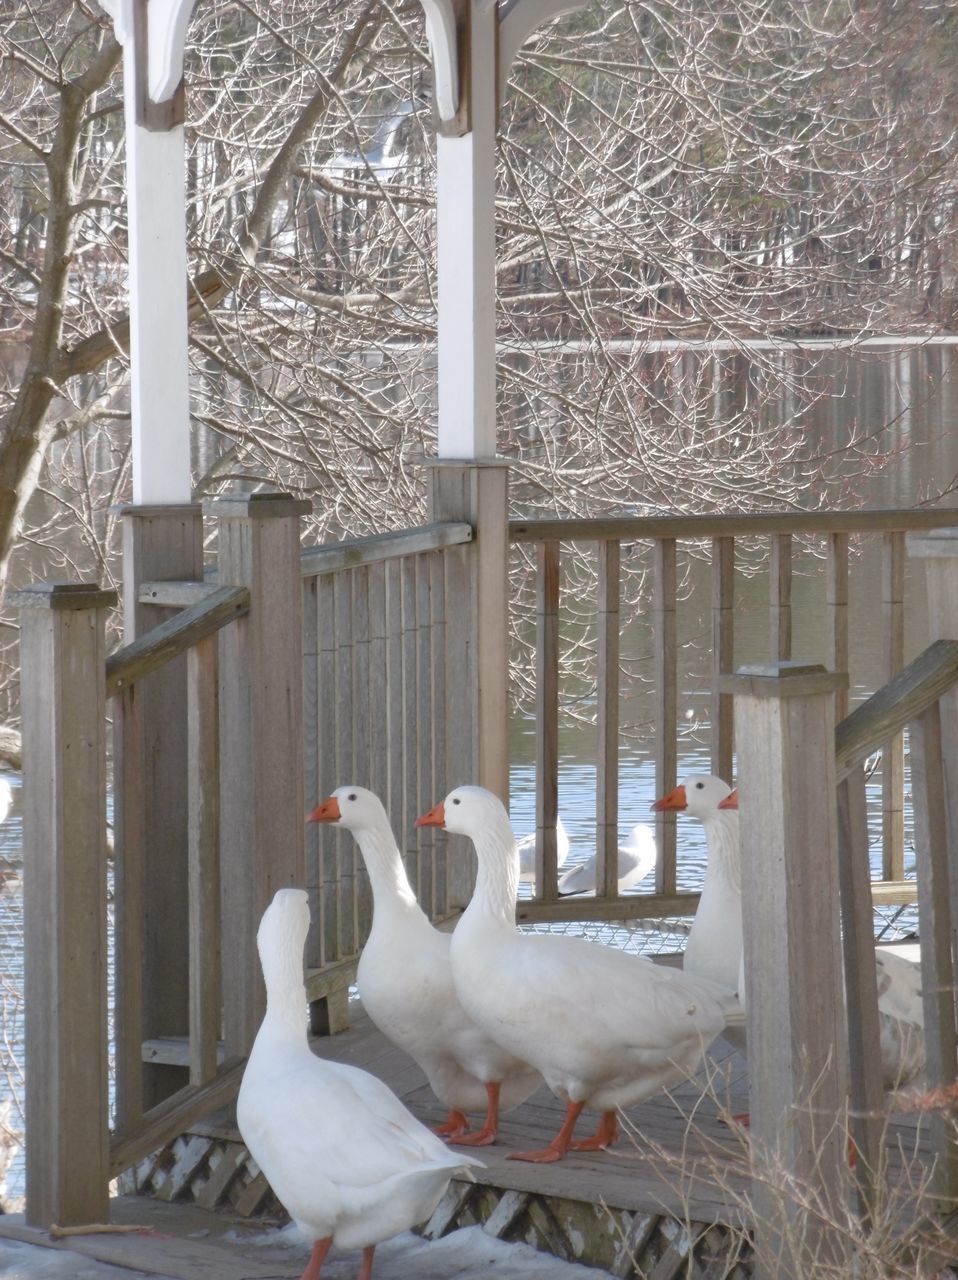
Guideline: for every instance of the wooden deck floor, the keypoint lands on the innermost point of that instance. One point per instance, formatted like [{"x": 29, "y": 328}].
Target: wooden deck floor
[
  {"x": 677, "y": 1177},
  {"x": 676, "y": 1156}
]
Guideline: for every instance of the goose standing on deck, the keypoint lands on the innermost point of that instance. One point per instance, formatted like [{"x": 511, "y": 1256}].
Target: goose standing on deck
[
  {"x": 405, "y": 984},
  {"x": 606, "y": 1029},
  {"x": 351, "y": 1165},
  {"x": 901, "y": 1012},
  {"x": 714, "y": 946}
]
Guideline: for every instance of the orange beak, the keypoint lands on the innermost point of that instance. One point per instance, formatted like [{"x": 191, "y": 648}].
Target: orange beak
[
  {"x": 730, "y": 801},
  {"x": 674, "y": 800},
  {"x": 436, "y": 817},
  {"x": 328, "y": 811}
]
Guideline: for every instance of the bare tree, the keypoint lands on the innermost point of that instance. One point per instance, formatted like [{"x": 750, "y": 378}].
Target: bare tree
[{"x": 675, "y": 168}]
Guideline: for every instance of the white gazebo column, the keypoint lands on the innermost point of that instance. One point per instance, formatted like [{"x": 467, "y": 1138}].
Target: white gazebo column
[{"x": 153, "y": 37}]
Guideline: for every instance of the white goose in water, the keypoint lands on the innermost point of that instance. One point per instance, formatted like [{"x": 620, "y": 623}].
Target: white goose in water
[
  {"x": 405, "y": 983},
  {"x": 636, "y": 860},
  {"x": 351, "y": 1165},
  {"x": 606, "y": 1029},
  {"x": 526, "y": 849}
]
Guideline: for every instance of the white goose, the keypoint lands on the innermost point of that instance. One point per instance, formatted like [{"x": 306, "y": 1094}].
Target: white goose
[
  {"x": 405, "y": 983},
  {"x": 636, "y": 860},
  {"x": 526, "y": 849},
  {"x": 719, "y": 936},
  {"x": 339, "y": 1149},
  {"x": 606, "y": 1029},
  {"x": 714, "y": 946}
]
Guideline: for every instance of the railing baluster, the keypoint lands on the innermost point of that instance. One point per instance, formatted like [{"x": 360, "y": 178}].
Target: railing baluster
[
  {"x": 547, "y": 717},
  {"x": 204, "y": 851},
  {"x": 607, "y": 721},
  {"x": 346, "y": 853},
  {"x": 328, "y": 765},
  {"x": 394, "y": 800},
  {"x": 861, "y": 991},
  {"x": 666, "y": 705},
  {"x": 780, "y": 596},
  {"x": 437, "y": 777},
  {"x": 409, "y": 836},
  {"x": 361, "y": 719},
  {"x": 893, "y": 753},
  {"x": 423, "y": 793},
  {"x": 723, "y": 654},
  {"x": 836, "y": 602},
  {"x": 129, "y": 890}
]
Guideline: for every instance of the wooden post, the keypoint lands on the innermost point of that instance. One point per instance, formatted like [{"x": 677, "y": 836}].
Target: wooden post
[
  {"x": 261, "y": 738},
  {"x": 151, "y": 815},
  {"x": 477, "y": 634},
  {"x": 63, "y": 651},
  {"x": 785, "y": 730}
]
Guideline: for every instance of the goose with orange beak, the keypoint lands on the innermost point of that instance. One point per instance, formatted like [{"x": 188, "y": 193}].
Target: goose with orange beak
[
  {"x": 607, "y": 1030},
  {"x": 714, "y": 946},
  {"x": 405, "y": 984},
  {"x": 901, "y": 1014}
]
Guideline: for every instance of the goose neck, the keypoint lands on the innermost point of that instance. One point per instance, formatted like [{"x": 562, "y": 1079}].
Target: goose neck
[
  {"x": 722, "y": 837},
  {"x": 385, "y": 868},
  {"x": 285, "y": 992},
  {"x": 497, "y": 880}
]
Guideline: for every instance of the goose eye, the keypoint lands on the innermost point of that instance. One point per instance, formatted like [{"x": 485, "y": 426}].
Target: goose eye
[
  {"x": 699, "y": 786},
  {"x": 456, "y": 802},
  {"x": 352, "y": 796}
]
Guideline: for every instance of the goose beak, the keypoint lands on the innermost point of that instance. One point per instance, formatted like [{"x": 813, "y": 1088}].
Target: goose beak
[
  {"x": 674, "y": 800},
  {"x": 730, "y": 801},
  {"x": 436, "y": 817},
  {"x": 328, "y": 811}
]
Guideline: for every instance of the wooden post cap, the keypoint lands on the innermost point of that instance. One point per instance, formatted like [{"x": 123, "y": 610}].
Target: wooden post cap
[
  {"x": 63, "y": 595},
  {"x": 783, "y": 680},
  {"x": 933, "y": 544},
  {"x": 256, "y": 506}
]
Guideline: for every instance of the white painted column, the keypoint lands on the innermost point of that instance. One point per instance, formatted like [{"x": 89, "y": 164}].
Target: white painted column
[
  {"x": 153, "y": 37},
  {"x": 159, "y": 391},
  {"x": 466, "y": 242}
]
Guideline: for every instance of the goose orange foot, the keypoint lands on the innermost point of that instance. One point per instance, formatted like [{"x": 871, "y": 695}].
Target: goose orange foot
[
  {"x": 558, "y": 1148},
  {"x": 603, "y": 1137},
  {"x": 490, "y": 1128},
  {"x": 455, "y": 1126}
]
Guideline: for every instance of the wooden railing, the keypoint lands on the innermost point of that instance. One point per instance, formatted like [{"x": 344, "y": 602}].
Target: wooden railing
[
  {"x": 140, "y": 1129},
  {"x": 910, "y": 700},
  {"x": 378, "y": 642},
  {"x": 717, "y": 535}
]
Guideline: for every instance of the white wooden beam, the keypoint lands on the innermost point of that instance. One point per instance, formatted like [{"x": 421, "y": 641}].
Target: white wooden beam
[
  {"x": 518, "y": 19},
  {"x": 156, "y": 195},
  {"x": 444, "y": 51},
  {"x": 466, "y": 212}
]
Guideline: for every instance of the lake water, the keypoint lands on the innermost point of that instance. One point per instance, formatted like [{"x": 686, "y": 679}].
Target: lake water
[{"x": 913, "y": 394}]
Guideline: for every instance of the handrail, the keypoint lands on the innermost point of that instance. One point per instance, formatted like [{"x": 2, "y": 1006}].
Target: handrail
[
  {"x": 175, "y": 636},
  {"x": 632, "y": 528},
  {"x": 327, "y": 558},
  {"x": 895, "y": 705}
]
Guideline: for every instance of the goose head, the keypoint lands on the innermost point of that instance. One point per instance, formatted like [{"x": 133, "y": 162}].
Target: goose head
[
  {"x": 468, "y": 811},
  {"x": 352, "y": 807},
  {"x": 700, "y": 795}
]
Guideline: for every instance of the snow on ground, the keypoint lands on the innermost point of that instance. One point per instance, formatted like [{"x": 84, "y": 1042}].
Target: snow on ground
[
  {"x": 467, "y": 1254},
  {"x": 30, "y": 1262}
]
